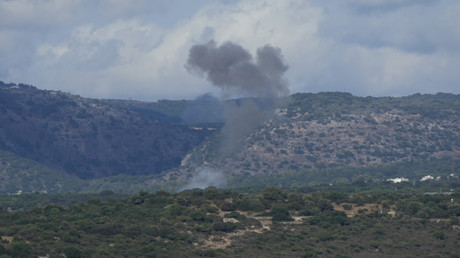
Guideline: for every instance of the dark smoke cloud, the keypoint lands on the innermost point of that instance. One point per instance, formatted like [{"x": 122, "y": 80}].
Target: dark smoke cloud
[{"x": 232, "y": 68}]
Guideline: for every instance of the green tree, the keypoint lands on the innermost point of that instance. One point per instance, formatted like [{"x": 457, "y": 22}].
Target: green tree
[
  {"x": 211, "y": 193},
  {"x": 273, "y": 194},
  {"x": 280, "y": 213},
  {"x": 72, "y": 252},
  {"x": 21, "y": 249}
]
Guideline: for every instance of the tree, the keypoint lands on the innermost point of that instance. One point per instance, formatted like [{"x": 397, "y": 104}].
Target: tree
[
  {"x": 72, "y": 252},
  {"x": 21, "y": 249},
  {"x": 211, "y": 193},
  {"x": 219, "y": 225},
  {"x": 273, "y": 194},
  {"x": 280, "y": 213}
]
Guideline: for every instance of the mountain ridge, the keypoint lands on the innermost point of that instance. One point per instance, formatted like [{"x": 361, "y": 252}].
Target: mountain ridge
[
  {"x": 89, "y": 138},
  {"x": 130, "y": 145}
]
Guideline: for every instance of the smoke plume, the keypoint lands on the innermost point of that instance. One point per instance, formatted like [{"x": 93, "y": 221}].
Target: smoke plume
[
  {"x": 232, "y": 68},
  {"x": 206, "y": 177}
]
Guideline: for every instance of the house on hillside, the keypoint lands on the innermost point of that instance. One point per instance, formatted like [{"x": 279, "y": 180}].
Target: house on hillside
[
  {"x": 398, "y": 180},
  {"x": 425, "y": 178}
]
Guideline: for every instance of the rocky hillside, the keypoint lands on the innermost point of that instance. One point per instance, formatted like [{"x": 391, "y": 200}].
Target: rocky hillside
[
  {"x": 330, "y": 130},
  {"x": 88, "y": 138},
  {"x": 314, "y": 137}
]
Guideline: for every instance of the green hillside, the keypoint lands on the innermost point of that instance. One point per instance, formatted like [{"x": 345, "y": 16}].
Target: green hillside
[
  {"x": 20, "y": 175},
  {"x": 57, "y": 142},
  {"x": 89, "y": 138}
]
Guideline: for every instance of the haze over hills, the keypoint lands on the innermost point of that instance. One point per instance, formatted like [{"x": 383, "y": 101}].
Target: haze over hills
[{"x": 307, "y": 138}]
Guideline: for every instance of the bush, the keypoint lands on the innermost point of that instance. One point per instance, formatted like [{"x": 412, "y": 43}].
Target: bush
[
  {"x": 228, "y": 206},
  {"x": 247, "y": 204},
  {"x": 329, "y": 218},
  {"x": 439, "y": 235},
  {"x": 235, "y": 215},
  {"x": 224, "y": 226},
  {"x": 197, "y": 215},
  {"x": 273, "y": 194},
  {"x": 203, "y": 227},
  {"x": 72, "y": 252},
  {"x": 279, "y": 213},
  {"x": 347, "y": 206},
  {"x": 211, "y": 193},
  {"x": 21, "y": 249}
]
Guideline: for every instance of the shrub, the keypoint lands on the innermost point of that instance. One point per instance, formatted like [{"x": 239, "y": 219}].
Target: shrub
[
  {"x": 228, "y": 206},
  {"x": 280, "y": 213},
  {"x": 329, "y": 218},
  {"x": 439, "y": 235},
  {"x": 72, "y": 252},
  {"x": 21, "y": 249},
  {"x": 224, "y": 226},
  {"x": 347, "y": 206}
]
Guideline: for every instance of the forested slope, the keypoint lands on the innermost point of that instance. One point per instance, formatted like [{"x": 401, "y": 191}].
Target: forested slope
[{"x": 88, "y": 138}]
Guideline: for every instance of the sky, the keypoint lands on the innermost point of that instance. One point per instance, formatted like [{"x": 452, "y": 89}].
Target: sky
[{"x": 137, "y": 49}]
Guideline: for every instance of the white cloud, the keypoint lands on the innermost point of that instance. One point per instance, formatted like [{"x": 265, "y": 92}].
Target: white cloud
[
  {"x": 35, "y": 13},
  {"x": 138, "y": 48}
]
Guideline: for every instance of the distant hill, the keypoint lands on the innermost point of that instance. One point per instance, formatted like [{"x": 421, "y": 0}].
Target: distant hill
[
  {"x": 305, "y": 139},
  {"x": 205, "y": 110},
  {"x": 20, "y": 175},
  {"x": 88, "y": 138},
  {"x": 331, "y": 131}
]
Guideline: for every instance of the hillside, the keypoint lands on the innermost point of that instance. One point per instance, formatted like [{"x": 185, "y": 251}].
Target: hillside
[
  {"x": 205, "y": 110},
  {"x": 306, "y": 139},
  {"x": 338, "y": 130},
  {"x": 88, "y": 138},
  {"x": 20, "y": 175}
]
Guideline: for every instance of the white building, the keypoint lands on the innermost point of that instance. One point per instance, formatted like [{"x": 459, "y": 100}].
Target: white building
[
  {"x": 398, "y": 180},
  {"x": 425, "y": 178}
]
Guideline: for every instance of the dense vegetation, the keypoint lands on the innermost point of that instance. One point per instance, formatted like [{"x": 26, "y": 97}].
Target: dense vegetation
[
  {"x": 20, "y": 175},
  {"x": 88, "y": 138},
  {"x": 446, "y": 169},
  {"x": 328, "y": 105},
  {"x": 272, "y": 222}
]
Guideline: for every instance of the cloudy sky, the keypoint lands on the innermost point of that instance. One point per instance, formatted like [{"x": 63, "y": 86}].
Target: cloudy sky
[{"x": 137, "y": 48}]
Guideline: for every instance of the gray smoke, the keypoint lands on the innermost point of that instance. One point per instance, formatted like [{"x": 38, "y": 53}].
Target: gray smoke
[
  {"x": 242, "y": 117},
  {"x": 206, "y": 177},
  {"x": 232, "y": 68}
]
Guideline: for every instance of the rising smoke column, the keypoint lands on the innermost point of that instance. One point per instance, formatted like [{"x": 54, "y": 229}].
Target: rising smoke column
[{"x": 234, "y": 70}]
